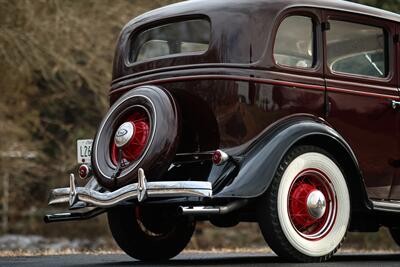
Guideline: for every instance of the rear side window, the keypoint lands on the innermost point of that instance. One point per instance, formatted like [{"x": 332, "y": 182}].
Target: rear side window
[
  {"x": 357, "y": 49},
  {"x": 294, "y": 43},
  {"x": 192, "y": 36}
]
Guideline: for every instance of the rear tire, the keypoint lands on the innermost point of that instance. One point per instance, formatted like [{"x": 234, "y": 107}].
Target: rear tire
[
  {"x": 395, "y": 233},
  {"x": 294, "y": 225},
  {"x": 148, "y": 234}
]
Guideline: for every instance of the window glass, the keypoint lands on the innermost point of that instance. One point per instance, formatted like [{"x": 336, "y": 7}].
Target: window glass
[
  {"x": 294, "y": 43},
  {"x": 357, "y": 49},
  {"x": 153, "y": 48},
  {"x": 192, "y": 36}
]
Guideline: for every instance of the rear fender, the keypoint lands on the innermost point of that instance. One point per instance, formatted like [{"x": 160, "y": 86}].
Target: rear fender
[{"x": 259, "y": 163}]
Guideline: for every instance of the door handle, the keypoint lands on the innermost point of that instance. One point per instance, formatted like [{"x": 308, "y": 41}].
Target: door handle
[{"x": 395, "y": 104}]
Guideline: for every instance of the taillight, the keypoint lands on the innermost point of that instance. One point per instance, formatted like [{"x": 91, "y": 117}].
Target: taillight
[
  {"x": 84, "y": 171},
  {"x": 219, "y": 157}
]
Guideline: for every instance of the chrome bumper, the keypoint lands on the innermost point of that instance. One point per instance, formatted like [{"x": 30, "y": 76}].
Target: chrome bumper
[{"x": 79, "y": 197}]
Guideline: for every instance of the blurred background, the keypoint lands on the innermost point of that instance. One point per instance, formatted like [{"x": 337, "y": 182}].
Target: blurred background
[{"x": 55, "y": 71}]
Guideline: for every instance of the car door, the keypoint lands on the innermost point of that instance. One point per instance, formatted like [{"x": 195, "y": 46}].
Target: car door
[
  {"x": 395, "y": 190},
  {"x": 361, "y": 84}
]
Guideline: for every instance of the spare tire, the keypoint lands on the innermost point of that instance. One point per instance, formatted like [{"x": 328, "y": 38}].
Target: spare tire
[{"x": 150, "y": 115}]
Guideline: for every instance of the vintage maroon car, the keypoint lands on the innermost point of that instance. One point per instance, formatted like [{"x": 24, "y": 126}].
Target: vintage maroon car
[{"x": 284, "y": 113}]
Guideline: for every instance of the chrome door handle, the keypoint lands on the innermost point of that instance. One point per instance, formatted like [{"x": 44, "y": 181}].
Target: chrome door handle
[{"x": 395, "y": 104}]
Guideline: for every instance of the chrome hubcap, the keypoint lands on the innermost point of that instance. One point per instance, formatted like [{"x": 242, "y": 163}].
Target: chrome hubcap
[
  {"x": 124, "y": 134},
  {"x": 316, "y": 204}
]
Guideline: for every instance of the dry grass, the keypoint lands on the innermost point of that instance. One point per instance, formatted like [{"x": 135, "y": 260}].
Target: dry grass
[
  {"x": 56, "y": 67},
  {"x": 54, "y": 252}
]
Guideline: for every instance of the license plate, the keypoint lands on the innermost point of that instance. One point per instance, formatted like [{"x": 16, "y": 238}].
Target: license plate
[{"x": 84, "y": 150}]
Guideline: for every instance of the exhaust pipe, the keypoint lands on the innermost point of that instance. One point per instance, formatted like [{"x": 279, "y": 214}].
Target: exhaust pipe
[
  {"x": 212, "y": 210},
  {"x": 73, "y": 216}
]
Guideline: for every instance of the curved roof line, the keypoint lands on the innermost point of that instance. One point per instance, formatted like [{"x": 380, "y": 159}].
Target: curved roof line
[{"x": 340, "y": 5}]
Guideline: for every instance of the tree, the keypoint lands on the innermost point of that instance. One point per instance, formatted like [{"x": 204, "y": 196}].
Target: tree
[
  {"x": 390, "y": 5},
  {"x": 55, "y": 65}
]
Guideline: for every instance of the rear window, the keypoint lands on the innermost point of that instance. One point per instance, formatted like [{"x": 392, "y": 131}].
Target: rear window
[{"x": 185, "y": 37}]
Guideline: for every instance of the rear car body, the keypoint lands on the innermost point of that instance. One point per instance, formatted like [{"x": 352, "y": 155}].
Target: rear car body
[{"x": 226, "y": 93}]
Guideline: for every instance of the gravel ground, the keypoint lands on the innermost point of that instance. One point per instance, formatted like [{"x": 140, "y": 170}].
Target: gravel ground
[
  {"x": 220, "y": 259},
  {"x": 35, "y": 244}
]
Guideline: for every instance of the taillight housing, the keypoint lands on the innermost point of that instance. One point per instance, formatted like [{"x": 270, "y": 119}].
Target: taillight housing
[
  {"x": 219, "y": 157},
  {"x": 84, "y": 171}
]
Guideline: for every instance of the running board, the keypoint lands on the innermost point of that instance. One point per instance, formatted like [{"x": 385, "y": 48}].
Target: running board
[{"x": 390, "y": 205}]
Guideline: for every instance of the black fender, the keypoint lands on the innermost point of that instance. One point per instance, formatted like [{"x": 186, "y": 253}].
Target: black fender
[{"x": 257, "y": 165}]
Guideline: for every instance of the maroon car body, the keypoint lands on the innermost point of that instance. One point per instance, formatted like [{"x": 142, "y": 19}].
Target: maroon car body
[
  {"x": 244, "y": 86},
  {"x": 371, "y": 128}
]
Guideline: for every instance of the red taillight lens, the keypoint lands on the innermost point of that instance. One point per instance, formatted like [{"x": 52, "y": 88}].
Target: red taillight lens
[
  {"x": 219, "y": 157},
  {"x": 84, "y": 171}
]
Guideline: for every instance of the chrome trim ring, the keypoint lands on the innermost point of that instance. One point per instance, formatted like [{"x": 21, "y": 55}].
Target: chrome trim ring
[{"x": 153, "y": 127}]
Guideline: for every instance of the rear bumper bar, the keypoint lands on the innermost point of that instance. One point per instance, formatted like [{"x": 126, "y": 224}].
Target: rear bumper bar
[{"x": 91, "y": 196}]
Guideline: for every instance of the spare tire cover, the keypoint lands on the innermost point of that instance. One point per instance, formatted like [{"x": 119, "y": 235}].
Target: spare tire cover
[{"x": 153, "y": 119}]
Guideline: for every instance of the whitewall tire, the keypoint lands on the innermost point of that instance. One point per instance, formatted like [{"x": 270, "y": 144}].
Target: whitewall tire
[{"x": 305, "y": 213}]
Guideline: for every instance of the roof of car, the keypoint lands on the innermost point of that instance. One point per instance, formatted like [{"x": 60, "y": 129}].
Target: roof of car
[
  {"x": 202, "y": 6},
  {"x": 241, "y": 29},
  {"x": 348, "y": 6}
]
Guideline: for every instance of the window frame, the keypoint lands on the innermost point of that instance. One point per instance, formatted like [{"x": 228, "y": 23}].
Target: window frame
[
  {"x": 386, "y": 53},
  {"x": 129, "y": 62},
  {"x": 368, "y": 21},
  {"x": 314, "y": 58},
  {"x": 315, "y": 15}
]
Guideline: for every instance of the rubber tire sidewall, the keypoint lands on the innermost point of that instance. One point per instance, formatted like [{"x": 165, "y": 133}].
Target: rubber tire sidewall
[
  {"x": 162, "y": 144},
  {"x": 395, "y": 233},
  {"x": 137, "y": 244},
  {"x": 273, "y": 212}
]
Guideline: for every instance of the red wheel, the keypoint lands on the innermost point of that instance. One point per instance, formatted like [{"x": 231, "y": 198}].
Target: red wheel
[
  {"x": 139, "y": 120},
  {"x": 305, "y": 213},
  {"x": 312, "y": 204},
  {"x": 141, "y": 130}
]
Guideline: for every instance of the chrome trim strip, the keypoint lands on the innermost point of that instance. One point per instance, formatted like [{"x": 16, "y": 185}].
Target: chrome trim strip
[
  {"x": 392, "y": 206},
  {"x": 141, "y": 191},
  {"x": 306, "y": 86}
]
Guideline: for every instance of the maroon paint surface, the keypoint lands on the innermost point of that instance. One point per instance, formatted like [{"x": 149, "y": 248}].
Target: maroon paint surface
[{"x": 231, "y": 93}]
